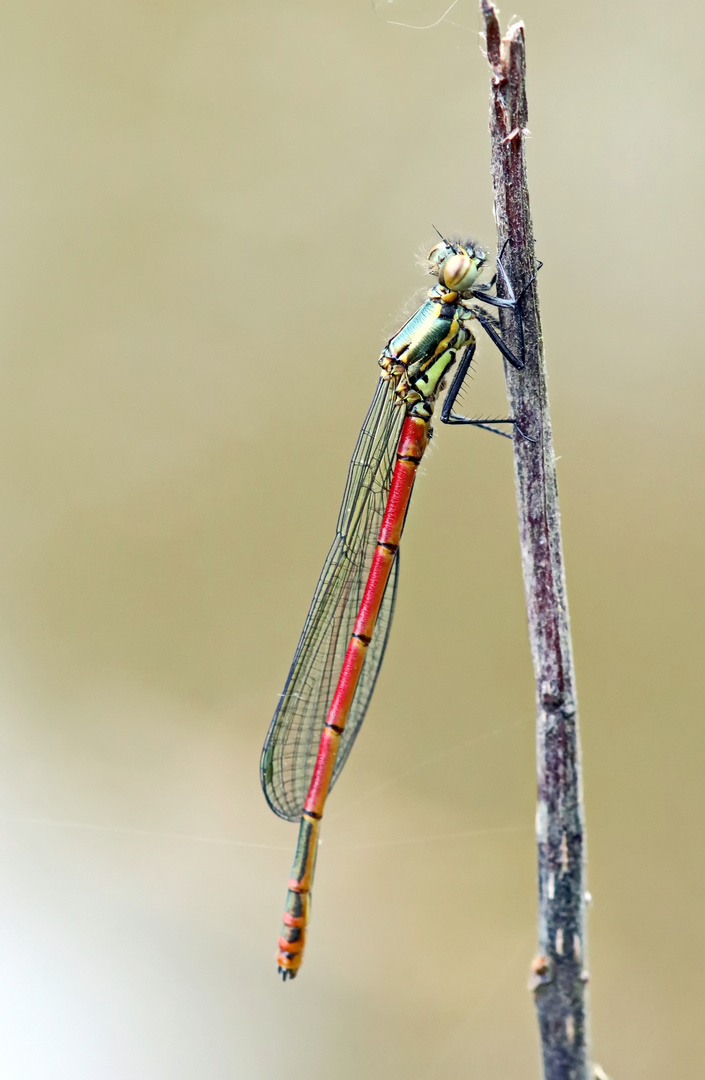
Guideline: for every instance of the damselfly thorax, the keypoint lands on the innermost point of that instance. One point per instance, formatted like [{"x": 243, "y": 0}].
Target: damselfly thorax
[{"x": 417, "y": 359}]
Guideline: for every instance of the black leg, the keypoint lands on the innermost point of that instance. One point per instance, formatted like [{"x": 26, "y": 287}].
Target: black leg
[
  {"x": 449, "y": 417},
  {"x": 512, "y": 302},
  {"x": 503, "y": 272},
  {"x": 491, "y": 327},
  {"x": 532, "y": 278},
  {"x": 494, "y": 301},
  {"x": 504, "y": 349},
  {"x": 486, "y": 425}
]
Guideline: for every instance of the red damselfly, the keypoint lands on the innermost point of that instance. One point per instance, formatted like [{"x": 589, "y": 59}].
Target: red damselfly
[{"x": 342, "y": 644}]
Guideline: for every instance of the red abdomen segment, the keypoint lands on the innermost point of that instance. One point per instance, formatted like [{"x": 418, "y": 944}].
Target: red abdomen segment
[{"x": 412, "y": 443}]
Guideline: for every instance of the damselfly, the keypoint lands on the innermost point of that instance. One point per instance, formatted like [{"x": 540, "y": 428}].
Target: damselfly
[{"x": 342, "y": 644}]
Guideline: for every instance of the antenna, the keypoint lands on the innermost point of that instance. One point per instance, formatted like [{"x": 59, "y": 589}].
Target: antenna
[{"x": 441, "y": 236}]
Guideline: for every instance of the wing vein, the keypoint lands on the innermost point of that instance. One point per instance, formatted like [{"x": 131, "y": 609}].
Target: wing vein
[{"x": 290, "y": 749}]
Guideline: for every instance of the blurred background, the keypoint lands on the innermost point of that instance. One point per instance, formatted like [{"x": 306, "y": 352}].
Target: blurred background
[{"x": 209, "y": 216}]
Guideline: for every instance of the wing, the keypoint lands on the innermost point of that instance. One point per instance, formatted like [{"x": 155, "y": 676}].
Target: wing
[{"x": 291, "y": 746}]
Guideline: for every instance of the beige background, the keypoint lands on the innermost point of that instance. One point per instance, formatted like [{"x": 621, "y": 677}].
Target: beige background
[{"x": 208, "y": 218}]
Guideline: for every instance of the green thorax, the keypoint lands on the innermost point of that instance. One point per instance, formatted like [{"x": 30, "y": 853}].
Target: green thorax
[{"x": 420, "y": 354}]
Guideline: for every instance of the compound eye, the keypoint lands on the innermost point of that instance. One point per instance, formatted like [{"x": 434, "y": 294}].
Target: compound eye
[
  {"x": 459, "y": 273},
  {"x": 439, "y": 253}
]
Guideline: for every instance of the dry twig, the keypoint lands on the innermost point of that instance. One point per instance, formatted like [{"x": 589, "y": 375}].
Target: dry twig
[{"x": 558, "y": 977}]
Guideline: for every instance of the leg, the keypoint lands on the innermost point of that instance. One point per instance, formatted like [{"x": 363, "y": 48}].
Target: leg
[
  {"x": 503, "y": 272},
  {"x": 505, "y": 276},
  {"x": 513, "y": 302},
  {"x": 506, "y": 352},
  {"x": 486, "y": 425},
  {"x": 497, "y": 301},
  {"x": 449, "y": 417},
  {"x": 493, "y": 279},
  {"x": 532, "y": 278}
]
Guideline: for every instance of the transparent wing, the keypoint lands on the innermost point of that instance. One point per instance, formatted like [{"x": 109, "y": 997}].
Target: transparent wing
[{"x": 291, "y": 746}]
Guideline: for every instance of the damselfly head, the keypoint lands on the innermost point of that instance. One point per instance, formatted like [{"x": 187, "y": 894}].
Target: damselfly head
[{"x": 457, "y": 264}]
